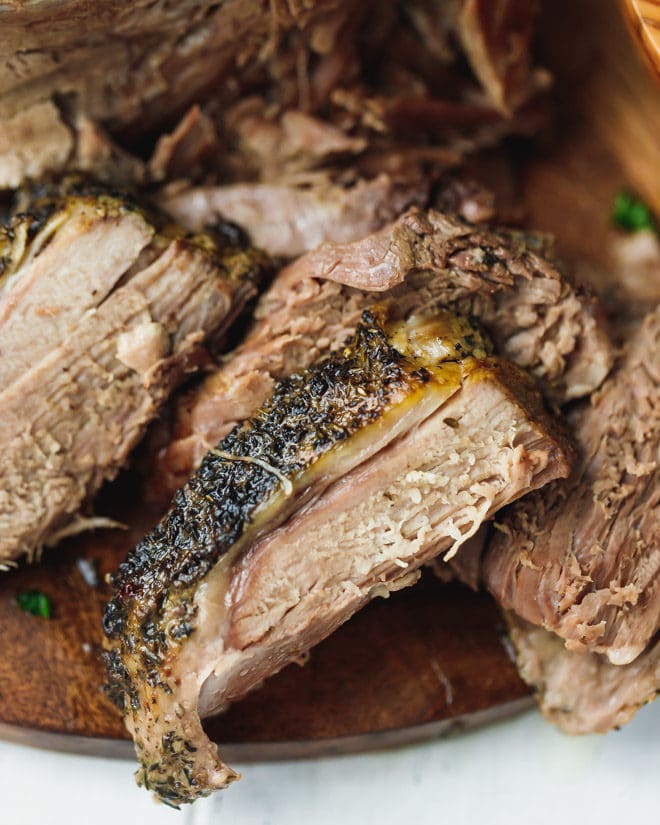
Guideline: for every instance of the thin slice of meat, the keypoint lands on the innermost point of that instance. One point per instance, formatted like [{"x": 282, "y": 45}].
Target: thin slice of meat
[
  {"x": 33, "y": 141},
  {"x": 104, "y": 310},
  {"x": 60, "y": 259},
  {"x": 270, "y": 146},
  {"x": 288, "y": 220},
  {"x": 637, "y": 268},
  {"x": 583, "y": 558},
  {"x": 464, "y": 126},
  {"x": 536, "y": 317},
  {"x": 458, "y": 194},
  {"x": 97, "y": 154},
  {"x": 582, "y": 692},
  {"x": 39, "y": 140},
  {"x": 179, "y": 153},
  {"x": 349, "y": 477}
]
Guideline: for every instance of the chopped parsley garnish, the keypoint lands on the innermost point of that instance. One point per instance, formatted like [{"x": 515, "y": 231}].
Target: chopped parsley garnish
[
  {"x": 632, "y": 214},
  {"x": 35, "y": 602}
]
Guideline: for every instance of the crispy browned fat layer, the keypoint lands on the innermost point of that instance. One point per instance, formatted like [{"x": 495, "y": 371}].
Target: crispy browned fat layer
[{"x": 351, "y": 475}]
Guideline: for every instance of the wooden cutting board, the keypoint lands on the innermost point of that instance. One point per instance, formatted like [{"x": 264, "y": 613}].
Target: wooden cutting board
[
  {"x": 430, "y": 659},
  {"x": 424, "y": 661}
]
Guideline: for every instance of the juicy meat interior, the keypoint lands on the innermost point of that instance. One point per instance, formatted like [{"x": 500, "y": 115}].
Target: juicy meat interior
[
  {"x": 350, "y": 476},
  {"x": 535, "y": 316},
  {"x": 104, "y": 309}
]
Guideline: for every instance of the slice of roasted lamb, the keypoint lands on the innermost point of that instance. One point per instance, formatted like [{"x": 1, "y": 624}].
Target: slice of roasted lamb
[
  {"x": 583, "y": 558},
  {"x": 353, "y": 474},
  {"x": 62, "y": 255},
  {"x": 104, "y": 309},
  {"x": 582, "y": 692},
  {"x": 288, "y": 220},
  {"x": 536, "y": 317}
]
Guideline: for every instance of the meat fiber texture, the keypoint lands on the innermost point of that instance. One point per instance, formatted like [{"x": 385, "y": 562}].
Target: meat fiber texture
[
  {"x": 139, "y": 62},
  {"x": 583, "y": 558},
  {"x": 288, "y": 220},
  {"x": 582, "y": 692},
  {"x": 535, "y": 316},
  {"x": 353, "y": 474},
  {"x": 104, "y": 310},
  {"x": 70, "y": 67}
]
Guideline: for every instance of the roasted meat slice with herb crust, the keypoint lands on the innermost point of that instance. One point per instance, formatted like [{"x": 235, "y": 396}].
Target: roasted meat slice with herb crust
[
  {"x": 353, "y": 474},
  {"x": 104, "y": 309},
  {"x": 582, "y": 559},
  {"x": 536, "y": 317}
]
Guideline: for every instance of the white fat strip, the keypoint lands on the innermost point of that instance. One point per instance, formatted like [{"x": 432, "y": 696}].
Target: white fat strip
[
  {"x": 286, "y": 484},
  {"x": 81, "y": 525}
]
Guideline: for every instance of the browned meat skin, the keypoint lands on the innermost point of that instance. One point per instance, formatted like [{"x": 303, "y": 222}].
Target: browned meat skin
[
  {"x": 353, "y": 474},
  {"x": 104, "y": 310},
  {"x": 582, "y": 692},
  {"x": 535, "y": 317},
  {"x": 583, "y": 559}
]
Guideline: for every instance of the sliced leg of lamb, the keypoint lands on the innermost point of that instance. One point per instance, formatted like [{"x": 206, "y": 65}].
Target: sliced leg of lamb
[
  {"x": 582, "y": 559},
  {"x": 353, "y": 474},
  {"x": 104, "y": 310},
  {"x": 288, "y": 220},
  {"x": 535, "y": 316},
  {"x": 582, "y": 692},
  {"x": 61, "y": 257}
]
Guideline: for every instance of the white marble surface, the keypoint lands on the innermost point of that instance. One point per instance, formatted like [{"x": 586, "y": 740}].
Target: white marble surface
[{"x": 520, "y": 772}]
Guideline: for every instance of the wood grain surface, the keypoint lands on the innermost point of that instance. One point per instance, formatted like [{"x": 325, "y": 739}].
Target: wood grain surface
[
  {"x": 644, "y": 19},
  {"x": 429, "y": 659}
]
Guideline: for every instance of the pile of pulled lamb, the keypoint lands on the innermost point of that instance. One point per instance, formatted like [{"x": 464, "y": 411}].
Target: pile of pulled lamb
[{"x": 246, "y": 231}]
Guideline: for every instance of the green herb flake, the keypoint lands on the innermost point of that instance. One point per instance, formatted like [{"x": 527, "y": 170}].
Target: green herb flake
[
  {"x": 35, "y": 602},
  {"x": 632, "y": 214}
]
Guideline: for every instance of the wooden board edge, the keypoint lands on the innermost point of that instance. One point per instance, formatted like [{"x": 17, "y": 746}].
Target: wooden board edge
[{"x": 251, "y": 752}]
